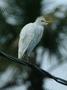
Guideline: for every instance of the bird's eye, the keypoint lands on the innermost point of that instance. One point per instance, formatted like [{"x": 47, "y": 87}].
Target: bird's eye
[{"x": 42, "y": 20}]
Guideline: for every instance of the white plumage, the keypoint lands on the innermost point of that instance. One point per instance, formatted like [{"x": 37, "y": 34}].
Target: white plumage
[{"x": 30, "y": 36}]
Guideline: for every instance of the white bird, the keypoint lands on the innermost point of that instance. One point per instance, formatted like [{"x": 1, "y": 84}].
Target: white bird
[{"x": 30, "y": 36}]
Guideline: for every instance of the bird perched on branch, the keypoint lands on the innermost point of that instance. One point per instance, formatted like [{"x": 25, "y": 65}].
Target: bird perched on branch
[{"x": 30, "y": 36}]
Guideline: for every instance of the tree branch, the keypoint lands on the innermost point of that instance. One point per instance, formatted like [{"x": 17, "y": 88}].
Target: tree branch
[{"x": 43, "y": 73}]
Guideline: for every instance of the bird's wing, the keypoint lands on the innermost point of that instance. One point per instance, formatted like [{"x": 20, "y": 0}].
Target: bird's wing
[
  {"x": 26, "y": 37},
  {"x": 37, "y": 37}
]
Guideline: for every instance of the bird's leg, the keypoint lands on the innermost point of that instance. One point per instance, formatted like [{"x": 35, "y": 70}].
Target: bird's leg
[{"x": 31, "y": 58}]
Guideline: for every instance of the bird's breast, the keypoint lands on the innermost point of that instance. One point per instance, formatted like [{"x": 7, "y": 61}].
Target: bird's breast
[{"x": 39, "y": 30}]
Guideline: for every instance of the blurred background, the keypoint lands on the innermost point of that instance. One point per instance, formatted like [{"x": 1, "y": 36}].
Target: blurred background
[{"x": 51, "y": 53}]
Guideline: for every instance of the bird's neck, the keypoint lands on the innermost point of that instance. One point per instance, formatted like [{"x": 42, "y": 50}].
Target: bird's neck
[
  {"x": 37, "y": 23},
  {"x": 41, "y": 27}
]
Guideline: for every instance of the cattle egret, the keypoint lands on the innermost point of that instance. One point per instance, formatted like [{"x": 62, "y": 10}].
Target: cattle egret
[{"x": 30, "y": 36}]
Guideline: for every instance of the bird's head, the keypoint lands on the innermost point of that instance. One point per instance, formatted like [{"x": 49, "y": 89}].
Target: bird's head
[{"x": 41, "y": 21}]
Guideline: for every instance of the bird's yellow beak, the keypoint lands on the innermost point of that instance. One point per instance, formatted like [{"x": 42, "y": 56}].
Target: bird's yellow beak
[
  {"x": 46, "y": 23},
  {"x": 49, "y": 19}
]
